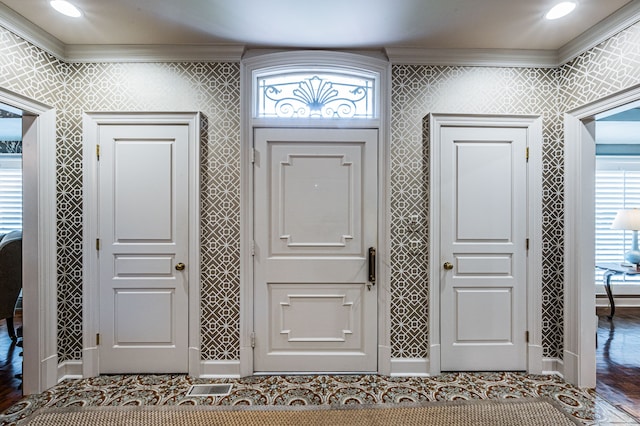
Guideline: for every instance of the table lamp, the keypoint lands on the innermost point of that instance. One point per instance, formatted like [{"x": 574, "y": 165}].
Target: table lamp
[{"x": 629, "y": 220}]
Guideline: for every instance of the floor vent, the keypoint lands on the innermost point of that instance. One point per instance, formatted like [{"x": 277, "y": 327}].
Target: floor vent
[{"x": 209, "y": 390}]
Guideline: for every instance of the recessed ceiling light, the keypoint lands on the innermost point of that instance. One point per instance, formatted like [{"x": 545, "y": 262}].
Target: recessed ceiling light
[
  {"x": 66, "y": 8},
  {"x": 560, "y": 10}
]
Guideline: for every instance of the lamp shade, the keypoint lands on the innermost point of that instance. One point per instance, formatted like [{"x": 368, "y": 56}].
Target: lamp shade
[{"x": 628, "y": 219}]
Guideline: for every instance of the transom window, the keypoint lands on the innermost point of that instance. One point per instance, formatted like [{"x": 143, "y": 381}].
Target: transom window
[{"x": 316, "y": 94}]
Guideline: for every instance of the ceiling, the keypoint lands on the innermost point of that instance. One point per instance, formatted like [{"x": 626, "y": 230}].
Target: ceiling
[{"x": 338, "y": 24}]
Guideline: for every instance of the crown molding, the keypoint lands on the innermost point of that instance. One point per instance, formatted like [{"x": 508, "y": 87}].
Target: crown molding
[
  {"x": 473, "y": 57},
  {"x": 153, "y": 53},
  {"x": 618, "y": 21},
  {"x": 30, "y": 32}
]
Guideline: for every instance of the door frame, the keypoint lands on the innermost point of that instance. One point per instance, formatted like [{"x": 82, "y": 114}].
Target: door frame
[
  {"x": 252, "y": 62},
  {"x": 533, "y": 126},
  {"x": 40, "y": 317},
  {"x": 579, "y": 356},
  {"x": 90, "y": 291}
]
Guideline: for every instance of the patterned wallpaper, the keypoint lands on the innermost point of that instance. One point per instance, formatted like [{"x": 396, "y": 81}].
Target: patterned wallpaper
[
  {"x": 419, "y": 90},
  {"x": 214, "y": 89},
  {"x": 606, "y": 69}
]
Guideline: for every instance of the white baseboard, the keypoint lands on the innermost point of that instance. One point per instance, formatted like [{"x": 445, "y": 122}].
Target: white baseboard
[
  {"x": 220, "y": 369},
  {"x": 621, "y": 302},
  {"x": 553, "y": 366},
  {"x": 402, "y": 367},
  {"x": 69, "y": 370},
  {"x": 209, "y": 369}
]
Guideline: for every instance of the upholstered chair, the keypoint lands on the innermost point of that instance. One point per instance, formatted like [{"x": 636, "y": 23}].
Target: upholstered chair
[{"x": 10, "y": 277}]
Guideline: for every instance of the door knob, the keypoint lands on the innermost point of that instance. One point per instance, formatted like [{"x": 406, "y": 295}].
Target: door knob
[
  {"x": 448, "y": 266},
  {"x": 180, "y": 267}
]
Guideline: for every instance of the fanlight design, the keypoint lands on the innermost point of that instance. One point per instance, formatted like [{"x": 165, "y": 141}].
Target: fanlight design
[{"x": 316, "y": 96}]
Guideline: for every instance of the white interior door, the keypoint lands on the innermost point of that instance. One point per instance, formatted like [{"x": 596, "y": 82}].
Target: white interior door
[
  {"x": 143, "y": 229},
  {"x": 315, "y": 219},
  {"x": 483, "y": 248}
]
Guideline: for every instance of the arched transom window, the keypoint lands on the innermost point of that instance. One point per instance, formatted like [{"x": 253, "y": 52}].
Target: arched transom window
[{"x": 320, "y": 93}]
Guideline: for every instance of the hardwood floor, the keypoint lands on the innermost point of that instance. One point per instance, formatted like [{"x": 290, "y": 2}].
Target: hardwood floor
[
  {"x": 10, "y": 365},
  {"x": 618, "y": 358}
]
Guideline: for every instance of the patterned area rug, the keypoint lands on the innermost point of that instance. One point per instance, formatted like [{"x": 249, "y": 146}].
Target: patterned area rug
[{"x": 522, "y": 412}]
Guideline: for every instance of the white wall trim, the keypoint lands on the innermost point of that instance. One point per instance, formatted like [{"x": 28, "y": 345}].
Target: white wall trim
[
  {"x": 621, "y": 302},
  {"x": 409, "y": 367},
  {"x": 616, "y": 22},
  {"x": 69, "y": 370},
  {"x": 296, "y": 59},
  {"x": 90, "y": 292},
  {"x": 153, "y": 53},
  {"x": 533, "y": 125},
  {"x": 580, "y": 328},
  {"x": 40, "y": 315},
  {"x": 553, "y": 366},
  {"x": 474, "y": 57},
  {"x": 219, "y": 369},
  {"x": 32, "y": 33}
]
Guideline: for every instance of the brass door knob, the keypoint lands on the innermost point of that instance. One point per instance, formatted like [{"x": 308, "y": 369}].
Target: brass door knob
[
  {"x": 180, "y": 267},
  {"x": 448, "y": 266}
]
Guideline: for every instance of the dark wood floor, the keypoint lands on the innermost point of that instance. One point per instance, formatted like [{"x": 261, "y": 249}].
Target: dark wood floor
[
  {"x": 10, "y": 365},
  {"x": 618, "y": 358}
]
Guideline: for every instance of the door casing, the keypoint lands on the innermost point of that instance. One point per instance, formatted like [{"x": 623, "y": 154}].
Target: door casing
[
  {"x": 579, "y": 356},
  {"x": 90, "y": 312},
  {"x": 309, "y": 60},
  {"x": 533, "y": 125},
  {"x": 39, "y": 242}
]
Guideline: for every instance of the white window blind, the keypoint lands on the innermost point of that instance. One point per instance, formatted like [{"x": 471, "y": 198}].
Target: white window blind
[
  {"x": 10, "y": 192},
  {"x": 617, "y": 187}
]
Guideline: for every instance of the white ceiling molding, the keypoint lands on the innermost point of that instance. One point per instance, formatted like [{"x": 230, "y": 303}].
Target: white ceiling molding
[
  {"x": 616, "y": 22},
  {"x": 18, "y": 25},
  {"x": 621, "y": 19},
  {"x": 474, "y": 57},
  {"x": 154, "y": 53}
]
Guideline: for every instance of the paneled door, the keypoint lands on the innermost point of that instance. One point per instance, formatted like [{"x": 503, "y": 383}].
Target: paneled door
[
  {"x": 315, "y": 199},
  {"x": 143, "y": 229},
  {"x": 483, "y": 248}
]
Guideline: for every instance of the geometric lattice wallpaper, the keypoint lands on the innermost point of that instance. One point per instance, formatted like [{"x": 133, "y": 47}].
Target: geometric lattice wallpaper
[
  {"x": 419, "y": 90},
  {"x": 214, "y": 90}
]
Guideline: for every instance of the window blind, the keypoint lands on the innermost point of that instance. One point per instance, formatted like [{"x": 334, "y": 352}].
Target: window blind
[
  {"x": 617, "y": 187},
  {"x": 10, "y": 192}
]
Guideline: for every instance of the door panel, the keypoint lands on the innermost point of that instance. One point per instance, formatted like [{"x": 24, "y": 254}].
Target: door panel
[
  {"x": 315, "y": 219},
  {"x": 143, "y": 232},
  {"x": 483, "y": 233}
]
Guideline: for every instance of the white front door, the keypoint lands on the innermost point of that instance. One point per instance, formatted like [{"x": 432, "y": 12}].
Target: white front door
[
  {"x": 483, "y": 248},
  {"x": 143, "y": 229},
  {"x": 315, "y": 199}
]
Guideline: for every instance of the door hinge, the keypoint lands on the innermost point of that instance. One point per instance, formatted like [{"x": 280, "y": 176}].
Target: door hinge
[
  {"x": 97, "y": 339},
  {"x": 98, "y": 244},
  {"x": 526, "y": 336},
  {"x": 527, "y": 244},
  {"x": 527, "y": 154},
  {"x": 98, "y": 151},
  {"x": 253, "y": 248},
  {"x": 253, "y": 155},
  {"x": 253, "y": 340}
]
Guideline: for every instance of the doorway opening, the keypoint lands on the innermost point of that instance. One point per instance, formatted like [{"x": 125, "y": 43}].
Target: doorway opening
[
  {"x": 40, "y": 366},
  {"x": 581, "y": 133},
  {"x": 617, "y": 281},
  {"x": 11, "y": 251},
  {"x": 331, "y": 92}
]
